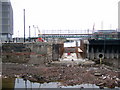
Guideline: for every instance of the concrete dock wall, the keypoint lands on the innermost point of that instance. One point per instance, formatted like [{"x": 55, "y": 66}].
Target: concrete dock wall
[
  {"x": 33, "y": 53},
  {"x": 109, "y": 49}
]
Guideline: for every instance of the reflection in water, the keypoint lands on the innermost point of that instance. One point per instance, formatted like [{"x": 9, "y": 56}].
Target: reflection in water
[
  {"x": 8, "y": 83},
  {"x": 20, "y": 83},
  {"x": 27, "y": 84},
  {"x": 82, "y": 85}
]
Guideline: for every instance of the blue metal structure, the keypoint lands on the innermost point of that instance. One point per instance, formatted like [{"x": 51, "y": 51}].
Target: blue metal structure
[
  {"x": 106, "y": 34},
  {"x": 66, "y": 35},
  {"x": 100, "y": 35}
]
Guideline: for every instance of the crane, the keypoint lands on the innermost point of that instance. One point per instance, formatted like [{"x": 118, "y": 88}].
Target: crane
[{"x": 40, "y": 39}]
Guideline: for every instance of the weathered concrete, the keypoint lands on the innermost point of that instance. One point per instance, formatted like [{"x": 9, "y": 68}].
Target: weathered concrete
[
  {"x": 33, "y": 53},
  {"x": 57, "y": 51},
  {"x": 109, "y": 49}
]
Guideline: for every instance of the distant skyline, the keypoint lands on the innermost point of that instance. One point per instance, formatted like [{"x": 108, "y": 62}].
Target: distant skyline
[{"x": 64, "y": 15}]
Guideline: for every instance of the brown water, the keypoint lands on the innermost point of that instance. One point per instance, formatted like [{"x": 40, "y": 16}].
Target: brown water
[{"x": 14, "y": 83}]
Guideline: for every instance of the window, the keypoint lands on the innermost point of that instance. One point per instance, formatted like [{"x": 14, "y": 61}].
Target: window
[{"x": 5, "y": 14}]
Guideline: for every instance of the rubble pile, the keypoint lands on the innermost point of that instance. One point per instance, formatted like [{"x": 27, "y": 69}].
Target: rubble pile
[{"x": 68, "y": 75}]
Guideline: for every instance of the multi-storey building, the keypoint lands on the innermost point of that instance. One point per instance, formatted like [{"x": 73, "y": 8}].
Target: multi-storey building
[
  {"x": 119, "y": 16},
  {"x": 6, "y": 20}
]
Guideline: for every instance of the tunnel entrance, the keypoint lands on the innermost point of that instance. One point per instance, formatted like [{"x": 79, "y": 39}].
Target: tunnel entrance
[{"x": 100, "y": 55}]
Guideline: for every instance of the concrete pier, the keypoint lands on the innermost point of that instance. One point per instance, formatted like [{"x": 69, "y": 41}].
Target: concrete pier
[{"x": 110, "y": 49}]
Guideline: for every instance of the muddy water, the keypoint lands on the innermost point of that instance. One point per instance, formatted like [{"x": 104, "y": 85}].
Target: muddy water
[
  {"x": 20, "y": 83},
  {"x": 27, "y": 84},
  {"x": 13, "y": 83}
]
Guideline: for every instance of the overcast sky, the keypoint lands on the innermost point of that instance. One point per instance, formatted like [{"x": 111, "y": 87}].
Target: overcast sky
[{"x": 65, "y": 14}]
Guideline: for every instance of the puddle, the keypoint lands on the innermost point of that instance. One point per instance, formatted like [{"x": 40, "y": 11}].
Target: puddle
[
  {"x": 27, "y": 84},
  {"x": 82, "y": 85},
  {"x": 20, "y": 83}
]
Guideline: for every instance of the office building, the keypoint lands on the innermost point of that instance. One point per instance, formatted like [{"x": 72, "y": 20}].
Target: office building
[
  {"x": 119, "y": 16},
  {"x": 6, "y": 20}
]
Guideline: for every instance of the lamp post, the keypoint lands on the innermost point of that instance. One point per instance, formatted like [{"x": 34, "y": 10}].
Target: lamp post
[
  {"x": 29, "y": 33},
  {"x": 35, "y": 30},
  {"x": 104, "y": 44},
  {"x": 24, "y": 24}
]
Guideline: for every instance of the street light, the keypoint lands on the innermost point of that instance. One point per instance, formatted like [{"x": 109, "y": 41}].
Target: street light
[
  {"x": 29, "y": 33},
  {"x": 35, "y": 30},
  {"x": 24, "y": 24}
]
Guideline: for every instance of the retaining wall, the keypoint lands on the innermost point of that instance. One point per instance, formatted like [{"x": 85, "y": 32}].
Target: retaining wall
[
  {"x": 33, "y": 53},
  {"x": 108, "y": 49}
]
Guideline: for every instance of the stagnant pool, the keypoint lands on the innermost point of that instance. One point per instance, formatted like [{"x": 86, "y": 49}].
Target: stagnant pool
[{"x": 20, "y": 83}]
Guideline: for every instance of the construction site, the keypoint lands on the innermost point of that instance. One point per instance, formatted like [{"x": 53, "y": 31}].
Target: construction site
[
  {"x": 69, "y": 50},
  {"x": 90, "y": 59}
]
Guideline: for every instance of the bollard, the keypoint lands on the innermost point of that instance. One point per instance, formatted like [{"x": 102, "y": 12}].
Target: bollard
[
  {"x": 100, "y": 56},
  {"x": 100, "y": 61}
]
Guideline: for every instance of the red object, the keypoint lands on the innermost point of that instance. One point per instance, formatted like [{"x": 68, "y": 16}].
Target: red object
[
  {"x": 40, "y": 40},
  {"x": 69, "y": 53}
]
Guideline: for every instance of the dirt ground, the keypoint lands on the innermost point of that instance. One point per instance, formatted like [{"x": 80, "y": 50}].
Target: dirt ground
[{"x": 101, "y": 75}]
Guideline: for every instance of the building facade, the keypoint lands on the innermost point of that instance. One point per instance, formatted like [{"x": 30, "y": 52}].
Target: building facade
[
  {"x": 6, "y": 22},
  {"x": 119, "y": 16}
]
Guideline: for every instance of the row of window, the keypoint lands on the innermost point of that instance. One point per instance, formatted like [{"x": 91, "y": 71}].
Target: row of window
[{"x": 106, "y": 36}]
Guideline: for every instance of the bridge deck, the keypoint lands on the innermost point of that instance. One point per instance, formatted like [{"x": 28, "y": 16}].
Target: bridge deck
[{"x": 65, "y": 35}]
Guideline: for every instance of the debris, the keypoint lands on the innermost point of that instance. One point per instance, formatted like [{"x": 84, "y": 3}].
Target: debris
[
  {"x": 104, "y": 77},
  {"x": 111, "y": 85},
  {"x": 17, "y": 76},
  {"x": 81, "y": 87},
  {"x": 97, "y": 74},
  {"x": 66, "y": 73},
  {"x": 100, "y": 84},
  {"x": 5, "y": 77},
  {"x": 118, "y": 79},
  {"x": 101, "y": 87},
  {"x": 88, "y": 63}
]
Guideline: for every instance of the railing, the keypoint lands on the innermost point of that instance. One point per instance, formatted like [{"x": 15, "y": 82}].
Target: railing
[{"x": 66, "y": 35}]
